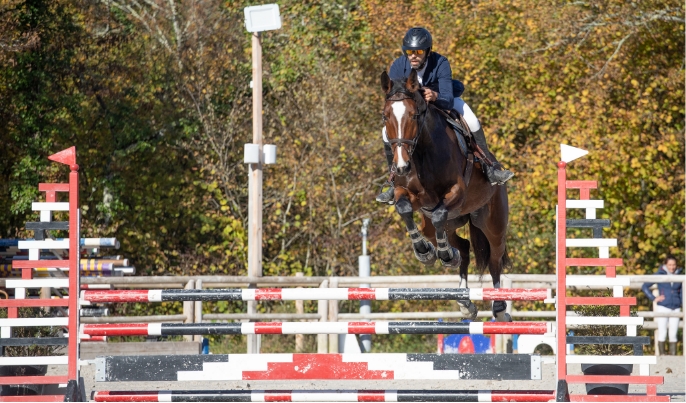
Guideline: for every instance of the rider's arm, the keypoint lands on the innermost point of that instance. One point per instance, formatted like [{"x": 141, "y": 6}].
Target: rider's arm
[
  {"x": 647, "y": 291},
  {"x": 445, "y": 85}
]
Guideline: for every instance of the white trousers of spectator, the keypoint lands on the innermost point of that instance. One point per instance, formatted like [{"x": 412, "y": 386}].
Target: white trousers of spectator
[
  {"x": 464, "y": 110},
  {"x": 667, "y": 323}
]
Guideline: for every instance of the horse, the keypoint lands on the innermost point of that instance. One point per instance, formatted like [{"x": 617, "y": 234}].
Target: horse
[{"x": 433, "y": 176}]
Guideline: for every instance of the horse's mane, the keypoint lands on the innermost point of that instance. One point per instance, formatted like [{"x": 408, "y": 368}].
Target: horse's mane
[{"x": 399, "y": 86}]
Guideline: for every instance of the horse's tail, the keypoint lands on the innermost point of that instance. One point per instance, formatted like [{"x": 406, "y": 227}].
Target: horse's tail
[{"x": 482, "y": 250}]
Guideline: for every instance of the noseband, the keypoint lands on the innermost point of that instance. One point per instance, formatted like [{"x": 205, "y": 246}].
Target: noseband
[{"x": 400, "y": 95}]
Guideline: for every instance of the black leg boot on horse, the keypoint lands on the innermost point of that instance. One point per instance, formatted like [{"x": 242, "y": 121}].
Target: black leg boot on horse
[
  {"x": 388, "y": 195},
  {"x": 424, "y": 250},
  {"x": 496, "y": 174},
  {"x": 450, "y": 256}
]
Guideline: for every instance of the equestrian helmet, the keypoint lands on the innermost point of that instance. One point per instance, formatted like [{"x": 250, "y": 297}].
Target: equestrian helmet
[{"x": 417, "y": 38}]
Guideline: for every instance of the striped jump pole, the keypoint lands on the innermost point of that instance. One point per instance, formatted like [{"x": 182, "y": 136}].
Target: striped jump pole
[
  {"x": 102, "y": 269},
  {"x": 173, "y": 329},
  {"x": 326, "y": 396},
  {"x": 332, "y": 294},
  {"x": 84, "y": 242}
]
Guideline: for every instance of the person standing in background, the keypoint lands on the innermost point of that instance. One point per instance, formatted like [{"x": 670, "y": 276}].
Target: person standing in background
[{"x": 669, "y": 300}]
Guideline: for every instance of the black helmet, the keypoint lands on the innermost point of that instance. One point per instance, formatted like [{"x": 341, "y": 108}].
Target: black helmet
[{"x": 417, "y": 38}]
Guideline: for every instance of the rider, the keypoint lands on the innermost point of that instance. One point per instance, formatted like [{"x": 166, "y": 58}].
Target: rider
[{"x": 435, "y": 76}]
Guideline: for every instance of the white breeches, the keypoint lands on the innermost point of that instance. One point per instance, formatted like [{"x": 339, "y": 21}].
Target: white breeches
[
  {"x": 467, "y": 113},
  {"x": 460, "y": 106},
  {"x": 667, "y": 323}
]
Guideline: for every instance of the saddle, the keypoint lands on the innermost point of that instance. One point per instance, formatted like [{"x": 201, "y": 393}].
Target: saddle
[{"x": 468, "y": 146}]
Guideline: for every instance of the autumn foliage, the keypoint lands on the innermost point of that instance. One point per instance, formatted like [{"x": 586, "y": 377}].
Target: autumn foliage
[{"x": 156, "y": 97}]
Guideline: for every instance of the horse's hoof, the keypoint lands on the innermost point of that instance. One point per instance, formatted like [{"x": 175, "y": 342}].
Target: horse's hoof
[
  {"x": 428, "y": 258},
  {"x": 455, "y": 261},
  {"x": 468, "y": 309}
]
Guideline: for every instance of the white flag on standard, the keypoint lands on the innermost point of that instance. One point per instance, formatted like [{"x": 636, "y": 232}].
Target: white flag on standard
[{"x": 570, "y": 153}]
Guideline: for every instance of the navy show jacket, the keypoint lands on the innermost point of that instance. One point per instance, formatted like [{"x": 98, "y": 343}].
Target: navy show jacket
[
  {"x": 671, "y": 291},
  {"x": 438, "y": 77}
]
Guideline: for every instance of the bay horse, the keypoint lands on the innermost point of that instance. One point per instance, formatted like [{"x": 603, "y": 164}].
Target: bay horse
[{"x": 431, "y": 178}]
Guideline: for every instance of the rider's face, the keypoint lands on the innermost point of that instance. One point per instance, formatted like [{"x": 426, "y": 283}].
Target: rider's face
[{"x": 416, "y": 59}]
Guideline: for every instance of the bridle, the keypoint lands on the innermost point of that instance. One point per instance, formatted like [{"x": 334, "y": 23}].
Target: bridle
[{"x": 399, "y": 95}]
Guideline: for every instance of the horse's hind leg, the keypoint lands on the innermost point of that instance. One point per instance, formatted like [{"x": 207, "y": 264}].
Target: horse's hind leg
[
  {"x": 450, "y": 257},
  {"x": 467, "y": 308},
  {"x": 488, "y": 231},
  {"x": 423, "y": 250},
  {"x": 494, "y": 255}
]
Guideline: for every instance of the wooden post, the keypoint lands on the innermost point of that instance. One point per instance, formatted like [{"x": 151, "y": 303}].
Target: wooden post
[
  {"x": 189, "y": 309},
  {"x": 299, "y": 309},
  {"x": 323, "y": 311},
  {"x": 333, "y": 317},
  {"x": 507, "y": 338},
  {"x": 197, "y": 311},
  {"x": 255, "y": 182},
  {"x": 656, "y": 293}
]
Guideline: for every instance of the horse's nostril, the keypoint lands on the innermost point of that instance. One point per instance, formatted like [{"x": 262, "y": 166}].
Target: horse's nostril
[{"x": 404, "y": 170}]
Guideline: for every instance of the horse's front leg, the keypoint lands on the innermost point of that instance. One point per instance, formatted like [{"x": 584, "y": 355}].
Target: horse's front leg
[
  {"x": 450, "y": 257},
  {"x": 423, "y": 250}
]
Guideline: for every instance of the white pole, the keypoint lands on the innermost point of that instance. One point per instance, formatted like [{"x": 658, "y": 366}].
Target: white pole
[
  {"x": 255, "y": 183},
  {"x": 365, "y": 271}
]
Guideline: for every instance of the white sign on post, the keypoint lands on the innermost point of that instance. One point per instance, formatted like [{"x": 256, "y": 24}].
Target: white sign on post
[{"x": 262, "y": 18}]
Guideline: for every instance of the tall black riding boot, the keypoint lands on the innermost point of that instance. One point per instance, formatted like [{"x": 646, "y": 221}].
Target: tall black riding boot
[
  {"x": 388, "y": 195},
  {"x": 672, "y": 348},
  {"x": 496, "y": 174},
  {"x": 661, "y": 348}
]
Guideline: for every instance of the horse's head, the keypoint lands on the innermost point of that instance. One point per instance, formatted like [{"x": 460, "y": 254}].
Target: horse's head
[{"x": 403, "y": 116}]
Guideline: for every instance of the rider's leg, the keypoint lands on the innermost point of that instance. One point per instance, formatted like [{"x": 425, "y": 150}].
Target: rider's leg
[
  {"x": 496, "y": 173},
  {"x": 388, "y": 195}
]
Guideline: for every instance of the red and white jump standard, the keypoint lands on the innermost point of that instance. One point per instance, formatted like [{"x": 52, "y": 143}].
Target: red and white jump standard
[
  {"x": 71, "y": 379},
  {"x": 611, "y": 280}
]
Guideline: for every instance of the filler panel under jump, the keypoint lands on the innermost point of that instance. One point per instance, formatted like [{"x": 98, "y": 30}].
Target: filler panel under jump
[{"x": 237, "y": 367}]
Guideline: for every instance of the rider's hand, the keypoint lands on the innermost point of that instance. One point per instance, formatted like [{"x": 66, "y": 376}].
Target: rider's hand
[{"x": 430, "y": 95}]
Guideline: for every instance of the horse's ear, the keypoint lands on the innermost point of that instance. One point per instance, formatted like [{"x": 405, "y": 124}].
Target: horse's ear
[
  {"x": 412, "y": 83},
  {"x": 385, "y": 82}
]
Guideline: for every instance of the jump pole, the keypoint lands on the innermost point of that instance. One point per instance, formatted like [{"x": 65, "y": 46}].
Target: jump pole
[
  {"x": 327, "y": 396},
  {"x": 331, "y": 294},
  {"x": 249, "y": 328}
]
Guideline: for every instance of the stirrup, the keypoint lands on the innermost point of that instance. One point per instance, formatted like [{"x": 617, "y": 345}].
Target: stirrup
[
  {"x": 388, "y": 196},
  {"x": 499, "y": 176}
]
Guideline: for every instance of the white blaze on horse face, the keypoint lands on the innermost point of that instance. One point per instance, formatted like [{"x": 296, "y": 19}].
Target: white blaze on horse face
[{"x": 399, "y": 112}]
